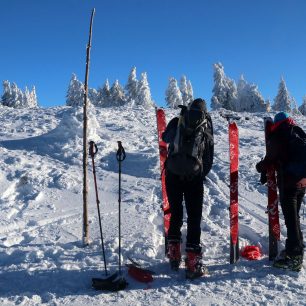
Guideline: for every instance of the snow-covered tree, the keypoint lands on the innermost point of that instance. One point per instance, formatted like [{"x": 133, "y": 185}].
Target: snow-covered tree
[
  {"x": 173, "y": 94},
  {"x": 144, "y": 97},
  {"x": 241, "y": 96},
  {"x": 294, "y": 107},
  {"x": 30, "y": 98},
  {"x": 302, "y": 108},
  {"x": 7, "y": 94},
  {"x": 34, "y": 101},
  {"x": 16, "y": 98},
  {"x": 75, "y": 93},
  {"x": 283, "y": 100},
  {"x": 132, "y": 86},
  {"x": 117, "y": 95},
  {"x": 184, "y": 90},
  {"x": 249, "y": 98},
  {"x": 103, "y": 95},
  {"x": 190, "y": 91},
  {"x": 224, "y": 90},
  {"x": 93, "y": 96},
  {"x": 268, "y": 105}
]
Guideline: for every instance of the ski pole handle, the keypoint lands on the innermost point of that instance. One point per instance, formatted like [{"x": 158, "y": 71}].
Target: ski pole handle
[
  {"x": 93, "y": 149},
  {"x": 120, "y": 152}
]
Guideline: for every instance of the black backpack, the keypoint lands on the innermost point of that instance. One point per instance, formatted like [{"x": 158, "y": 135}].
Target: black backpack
[
  {"x": 191, "y": 152},
  {"x": 296, "y": 164}
]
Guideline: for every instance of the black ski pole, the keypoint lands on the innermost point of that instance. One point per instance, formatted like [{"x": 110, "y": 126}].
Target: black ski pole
[
  {"x": 115, "y": 282},
  {"x": 93, "y": 149},
  {"x": 120, "y": 158}
]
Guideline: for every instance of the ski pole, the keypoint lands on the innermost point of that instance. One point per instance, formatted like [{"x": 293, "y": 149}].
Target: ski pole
[
  {"x": 120, "y": 158},
  {"x": 93, "y": 149}
]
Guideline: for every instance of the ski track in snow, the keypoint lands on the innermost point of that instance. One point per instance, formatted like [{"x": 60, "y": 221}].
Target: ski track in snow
[{"x": 43, "y": 261}]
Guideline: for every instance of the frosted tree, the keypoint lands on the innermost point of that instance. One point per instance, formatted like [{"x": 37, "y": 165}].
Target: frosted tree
[
  {"x": 7, "y": 93},
  {"x": 26, "y": 97},
  {"x": 190, "y": 91},
  {"x": 30, "y": 98},
  {"x": 93, "y": 96},
  {"x": 75, "y": 93},
  {"x": 16, "y": 98},
  {"x": 249, "y": 98},
  {"x": 241, "y": 95},
  {"x": 282, "y": 101},
  {"x": 268, "y": 105},
  {"x": 302, "y": 108},
  {"x": 294, "y": 107},
  {"x": 104, "y": 96},
  {"x": 184, "y": 90},
  {"x": 144, "y": 97},
  {"x": 230, "y": 101},
  {"x": 117, "y": 95},
  {"x": 173, "y": 94},
  {"x": 220, "y": 87},
  {"x": 132, "y": 86},
  {"x": 224, "y": 90}
]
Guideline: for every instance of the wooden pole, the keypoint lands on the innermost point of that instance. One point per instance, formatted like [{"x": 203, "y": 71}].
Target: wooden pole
[{"x": 85, "y": 146}]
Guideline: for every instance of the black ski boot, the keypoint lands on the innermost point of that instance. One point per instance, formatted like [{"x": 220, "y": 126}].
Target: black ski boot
[{"x": 293, "y": 262}]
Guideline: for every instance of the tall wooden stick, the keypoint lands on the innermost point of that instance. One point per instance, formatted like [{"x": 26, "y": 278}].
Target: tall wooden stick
[{"x": 85, "y": 146}]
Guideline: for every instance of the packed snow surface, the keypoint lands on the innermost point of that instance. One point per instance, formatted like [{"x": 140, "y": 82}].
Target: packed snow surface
[{"x": 43, "y": 260}]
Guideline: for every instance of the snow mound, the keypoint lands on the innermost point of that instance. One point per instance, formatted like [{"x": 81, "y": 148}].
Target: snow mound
[{"x": 42, "y": 258}]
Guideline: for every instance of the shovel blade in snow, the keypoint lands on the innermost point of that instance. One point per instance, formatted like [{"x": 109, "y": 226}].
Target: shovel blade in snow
[{"x": 114, "y": 282}]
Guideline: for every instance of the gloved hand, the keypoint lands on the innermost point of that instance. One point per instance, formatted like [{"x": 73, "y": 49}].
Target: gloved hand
[
  {"x": 263, "y": 177},
  {"x": 259, "y": 166}
]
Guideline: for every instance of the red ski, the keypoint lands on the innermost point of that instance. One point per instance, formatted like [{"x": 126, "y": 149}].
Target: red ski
[
  {"x": 272, "y": 209},
  {"x": 161, "y": 126},
  {"x": 233, "y": 209}
]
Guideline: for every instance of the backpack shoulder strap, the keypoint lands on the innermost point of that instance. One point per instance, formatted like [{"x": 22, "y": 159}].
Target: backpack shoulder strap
[{"x": 169, "y": 133}]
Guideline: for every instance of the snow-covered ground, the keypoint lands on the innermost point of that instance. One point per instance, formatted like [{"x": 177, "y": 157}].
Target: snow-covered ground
[{"x": 43, "y": 261}]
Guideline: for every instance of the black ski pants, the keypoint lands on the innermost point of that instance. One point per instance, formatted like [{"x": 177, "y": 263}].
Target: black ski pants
[
  {"x": 291, "y": 200},
  {"x": 191, "y": 190}
]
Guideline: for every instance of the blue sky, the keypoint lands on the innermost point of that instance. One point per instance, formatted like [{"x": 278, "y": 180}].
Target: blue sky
[{"x": 44, "y": 42}]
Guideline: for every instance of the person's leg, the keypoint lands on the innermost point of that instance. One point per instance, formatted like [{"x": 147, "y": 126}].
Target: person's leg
[
  {"x": 174, "y": 189},
  {"x": 194, "y": 202},
  {"x": 300, "y": 196},
  {"x": 290, "y": 206}
]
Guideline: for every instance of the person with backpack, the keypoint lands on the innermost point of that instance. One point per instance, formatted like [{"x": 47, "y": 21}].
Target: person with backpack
[
  {"x": 286, "y": 151},
  {"x": 189, "y": 160}
]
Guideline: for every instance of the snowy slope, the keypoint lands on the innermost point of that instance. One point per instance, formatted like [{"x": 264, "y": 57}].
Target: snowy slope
[{"x": 42, "y": 258}]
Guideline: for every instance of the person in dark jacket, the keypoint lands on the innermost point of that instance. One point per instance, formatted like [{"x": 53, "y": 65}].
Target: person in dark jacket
[
  {"x": 189, "y": 188},
  {"x": 291, "y": 186}
]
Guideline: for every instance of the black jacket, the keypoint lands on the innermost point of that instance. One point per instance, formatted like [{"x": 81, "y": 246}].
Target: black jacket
[{"x": 279, "y": 155}]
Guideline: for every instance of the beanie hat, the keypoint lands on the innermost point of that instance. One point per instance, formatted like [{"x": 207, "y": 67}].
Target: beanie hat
[
  {"x": 280, "y": 117},
  {"x": 198, "y": 104},
  {"x": 196, "y": 112}
]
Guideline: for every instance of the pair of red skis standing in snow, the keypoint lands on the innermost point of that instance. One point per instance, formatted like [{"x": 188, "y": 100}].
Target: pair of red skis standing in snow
[{"x": 272, "y": 208}]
